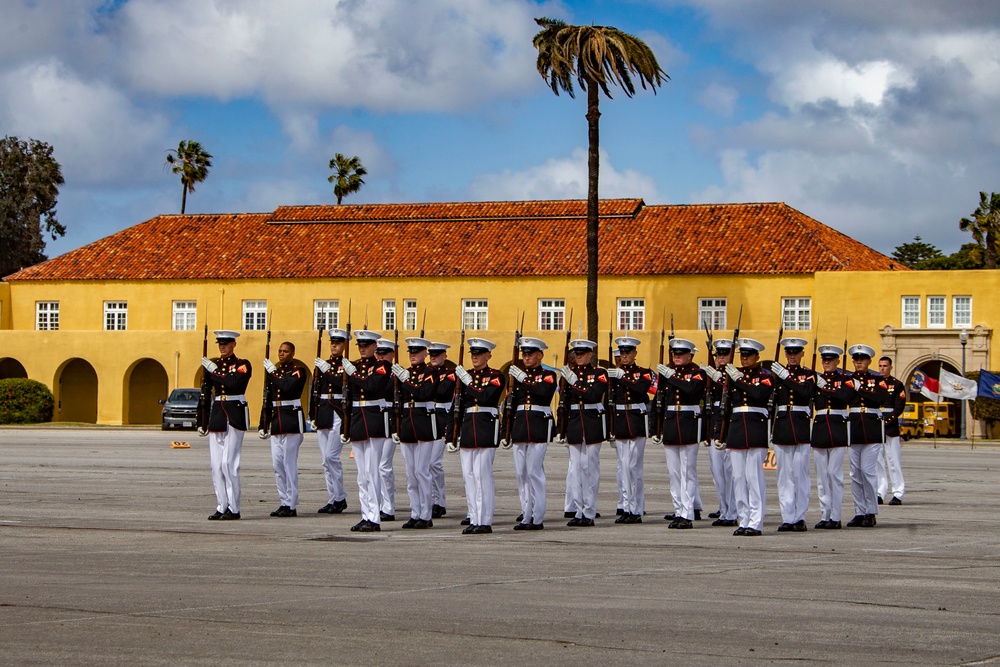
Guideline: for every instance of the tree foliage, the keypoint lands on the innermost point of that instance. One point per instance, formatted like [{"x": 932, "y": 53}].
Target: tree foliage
[
  {"x": 927, "y": 257},
  {"x": 29, "y": 187},
  {"x": 912, "y": 254},
  {"x": 24, "y": 401},
  {"x": 347, "y": 173},
  {"x": 597, "y": 57},
  {"x": 192, "y": 162},
  {"x": 984, "y": 225}
]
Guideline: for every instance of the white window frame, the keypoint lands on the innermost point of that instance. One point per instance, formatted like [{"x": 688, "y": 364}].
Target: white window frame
[
  {"x": 964, "y": 321},
  {"x": 326, "y": 314},
  {"x": 46, "y": 316},
  {"x": 712, "y": 311},
  {"x": 552, "y": 314},
  {"x": 476, "y": 314},
  {"x": 115, "y": 315},
  {"x": 184, "y": 315},
  {"x": 388, "y": 314},
  {"x": 254, "y": 315},
  {"x": 409, "y": 314},
  {"x": 796, "y": 313},
  {"x": 631, "y": 314},
  {"x": 910, "y": 305},
  {"x": 937, "y": 311}
]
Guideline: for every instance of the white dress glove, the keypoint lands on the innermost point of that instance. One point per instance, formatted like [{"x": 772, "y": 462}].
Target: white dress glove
[
  {"x": 779, "y": 370},
  {"x": 269, "y": 366},
  {"x": 820, "y": 381},
  {"x": 209, "y": 365},
  {"x": 452, "y": 447},
  {"x": 656, "y": 440},
  {"x": 517, "y": 374},
  {"x": 202, "y": 431},
  {"x": 665, "y": 371},
  {"x": 719, "y": 444},
  {"x": 463, "y": 375},
  {"x": 734, "y": 372},
  {"x": 395, "y": 438},
  {"x": 323, "y": 365},
  {"x": 568, "y": 374},
  {"x": 616, "y": 373},
  {"x": 263, "y": 435},
  {"x": 348, "y": 367},
  {"x": 857, "y": 384},
  {"x": 312, "y": 425},
  {"x": 712, "y": 373},
  {"x": 506, "y": 445},
  {"x": 345, "y": 439},
  {"x": 400, "y": 372}
]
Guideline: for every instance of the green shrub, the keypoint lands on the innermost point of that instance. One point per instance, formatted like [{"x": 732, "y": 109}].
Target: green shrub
[
  {"x": 25, "y": 402},
  {"x": 984, "y": 408}
]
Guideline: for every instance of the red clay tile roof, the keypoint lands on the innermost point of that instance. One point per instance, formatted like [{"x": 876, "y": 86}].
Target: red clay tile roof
[{"x": 476, "y": 239}]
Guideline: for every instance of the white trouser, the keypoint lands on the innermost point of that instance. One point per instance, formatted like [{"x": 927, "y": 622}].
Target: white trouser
[
  {"x": 722, "y": 476},
  {"x": 224, "y": 457},
  {"x": 793, "y": 481},
  {"x": 682, "y": 466},
  {"x": 529, "y": 470},
  {"x": 864, "y": 478},
  {"x": 330, "y": 447},
  {"x": 891, "y": 460},
  {"x": 585, "y": 460},
  {"x": 750, "y": 485},
  {"x": 477, "y": 471},
  {"x": 829, "y": 481},
  {"x": 620, "y": 454},
  {"x": 697, "y": 484},
  {"x": 387, "y": 478},
  {"x": 417, "y": 458},
  {"x": 630, "y": 456},
  {"x": 366, "y": 457},
  {"x": 570, "y": 504},
  {"x": 437, "y": 473},
  {"x": 285, "y": 461}
]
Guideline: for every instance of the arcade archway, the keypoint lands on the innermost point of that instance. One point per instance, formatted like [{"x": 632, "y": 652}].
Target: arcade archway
[
  {"x": 145, "y": 384},
  {"x": 12, "y": 368},
  {"x": 76, "y": 392}
]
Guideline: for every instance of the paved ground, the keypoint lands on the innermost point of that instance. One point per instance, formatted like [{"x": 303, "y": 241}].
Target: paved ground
[{"x": 108, "y": 560}]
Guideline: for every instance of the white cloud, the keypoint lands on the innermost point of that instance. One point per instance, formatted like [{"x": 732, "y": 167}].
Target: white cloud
[
  {"x": 718, "y": 99},
  {"x": 844, "y": 84}
]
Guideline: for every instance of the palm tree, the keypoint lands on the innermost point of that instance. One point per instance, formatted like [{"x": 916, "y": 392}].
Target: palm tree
[
  {"x": 595, "y": 56},
  {"x": 191, "y": 161},
  {"x": 985, "y": 227},
  {"x": 347, "y": 175}
]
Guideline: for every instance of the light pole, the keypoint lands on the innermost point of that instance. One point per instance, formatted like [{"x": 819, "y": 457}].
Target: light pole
[{"x": 963, "y": 338}]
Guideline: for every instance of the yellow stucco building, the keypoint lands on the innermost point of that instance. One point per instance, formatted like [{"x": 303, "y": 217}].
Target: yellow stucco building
[{"x": 113, "y": 326}]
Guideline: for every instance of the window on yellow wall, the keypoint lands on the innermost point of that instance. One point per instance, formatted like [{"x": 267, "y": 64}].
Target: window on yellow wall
[
  {"x": 254, "y": 315},
  {"x": 115, "y": 315},
  {"x": 935, "y": 312},
  {"x": 326, "y": 314},
  {"x": 185, "y": 315},
  {"x": 551, "y": 314},
  {"x": 47, "y": 315},
  {"x": 712, "y": 313},
  {"x": 476, "y": 314},
  {"x": 796, "y": 313},
  {"x": 961, "y": 311},
  {"x": 911, "y": 311},
  {"x": 388, "y": 314},
  {"x": 631, "y": 314},
  {"x": 410, "y": 314}
]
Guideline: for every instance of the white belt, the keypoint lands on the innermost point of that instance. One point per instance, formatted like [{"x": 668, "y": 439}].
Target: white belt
[
  {"x": 641, "y": 407},
  {"x": 887, "y": 410},
  {"x": 333, "y": 397},
  {"x": 831, "y": 411},
  {"x": 683, "y": 408},
  {"x": 588, "y": 406},
  {"x": 377, "y": 403},
  {"x": 750, "y": 408},
  {"x": 547, "y": 411},
  {"x": 294, "y": 403},
  {"x": 863, "y": 409},
  {"x": 443, "y": 406},
  {"x": 793, "y": 408},
  {"x": 482, "y": 408},
  {"x": 426, "y": 405},
  {"x": 234, "y": 397}
]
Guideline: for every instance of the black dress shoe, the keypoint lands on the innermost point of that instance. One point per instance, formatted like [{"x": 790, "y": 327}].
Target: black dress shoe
[
  {"x": 574, "y": 521},
  {"x": 356, "y": 527},
  {"x": 386, "y": 517},
  {"x": 339, "y": 506},
  {"x": 520, "y": 517},
  {"x": 620, "y": 512},
  {"x": 597, "y": 516},
  {"x": 732, "y": 522},
  {"x": 833, "y": 525},
  {"x": 437, "y": 511},
  {"x": 720, "y": 522},
  {"x": 869, "y": 521},
  {"x": 784, "y": 528},
  {"x": 326, "y": 509},
  {"x": 284, "y": 511},
  {"x": 466, "y": 521},
  {"x": 799, "y": 526},
  {"x": 740, "y": 531},
  {"x": 880, "y": 500},
  {"x": 278, "y": 511},
  {"x": 857, "y": 521},
  {"x": 624, "y": 518},
  {"x": 522, "y": 526},
  {"x": 675, "y": 523},
  {"x": 215, "y": 517},
  {"x": 895, "y": 501},
  {"x": 685, "y": 523},
  {"x": 483, "y": 529},
  {"x": 751, "y": 532},
  {"x": 586, "y": 523},
  {"x": 421, "y": 524},
  {"x": 230, "y": 516},
  {"x": 669, "y": 517},
  {"x": 370, "y": 527},
  {"x": 714, "y": 515},
  {"x": 412, "y": 523},
  {"x": 469, "y": 530},
  {"x": 569, "y": 515},
  {"x": 825, "y": 523},
  {"x": 634, "y": 518},
  {"x": 697, "y": 515},
  {"x": 536, "y": 526}
]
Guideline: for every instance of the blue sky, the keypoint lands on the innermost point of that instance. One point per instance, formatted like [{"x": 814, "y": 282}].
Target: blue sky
[{"x": 878, "y": 119}]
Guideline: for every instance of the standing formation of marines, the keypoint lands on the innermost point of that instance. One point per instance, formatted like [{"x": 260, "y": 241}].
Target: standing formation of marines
[{"x": 737, "y": 411}]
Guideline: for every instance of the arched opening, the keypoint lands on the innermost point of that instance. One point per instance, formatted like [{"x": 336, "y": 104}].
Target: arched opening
[
  {"x": 12, "y": 368},
  {"x": 145, "y": 385},
  {"x": 941, "y": 418},
  {"x": 76, "y": 392}
]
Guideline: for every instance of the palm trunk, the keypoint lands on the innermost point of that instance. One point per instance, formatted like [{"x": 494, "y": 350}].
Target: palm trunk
[
  {"x": 184, "y": 197},
  {"x": 593, "y": 226}
]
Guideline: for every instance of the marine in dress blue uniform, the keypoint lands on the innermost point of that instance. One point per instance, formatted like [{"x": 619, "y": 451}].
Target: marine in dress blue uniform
[
  {"x": 630, "y": 385},
  {"x": 417, "y": 430},
  {"x": 719, "y": 462},
  {"x": 586, "y": 386},
  {"x": 444, "y": 392},
  {"x": 329, "y": 420},
  {"x": 830, "y": 435},
  {"x": 890, "y": 467},
  {"x": 287, "y": 426},
  {"x": 867, "y": 436},
  {"x": 790, "y": 433}
]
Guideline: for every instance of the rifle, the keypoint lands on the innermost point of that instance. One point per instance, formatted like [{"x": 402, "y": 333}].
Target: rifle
[
  {"x": 314, "y": 390},
  {"x": 707, "y": 401},
  {"x": 777, "y": 350},
  {"x": 422, "y": 324},
  {"x": 457, "y": 409},
  {"x": 345, "y": 388},
  {"x": 843, "y": 363},
  {"x": 397, "y": 395},
  {"x": 815, "y": 346},
  {"x": 205, "y": 400},
  {"x": 660, "y": 388},
  {"x": 508, "y": 406},
  {"x": 562, "y": 412},
  {"x": 265, "y": 408},
  {"x": 727, "y": 387},
  {"x": 612, "y": 385}
]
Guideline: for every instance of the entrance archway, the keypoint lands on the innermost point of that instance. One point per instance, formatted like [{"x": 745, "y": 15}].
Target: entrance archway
[
  {"x": 12, "y": 368},
  {"x": 76, "y": 392},
  {"x": 145, "y": 385},
  {"x": 947, "y": 415}
]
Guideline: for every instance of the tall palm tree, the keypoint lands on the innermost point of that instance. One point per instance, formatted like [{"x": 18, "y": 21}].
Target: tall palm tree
[
  {"x": 595, "y": 56},
  {"x": 192, "y": 162},
  {"x": 347, "y": 173},
  {"x": 985, "y": 227}
]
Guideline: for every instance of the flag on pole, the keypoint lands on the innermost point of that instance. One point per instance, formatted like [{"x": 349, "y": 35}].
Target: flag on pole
[
  {"x": 989, "y": 384},
  {"x": 956, "y": 386},
  {"x": 924, "y": 384}
]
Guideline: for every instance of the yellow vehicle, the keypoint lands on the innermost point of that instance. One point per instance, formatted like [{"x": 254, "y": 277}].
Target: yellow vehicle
[
  {"x": 939, "y": 419},
  {"x": 910, "y": 423}
]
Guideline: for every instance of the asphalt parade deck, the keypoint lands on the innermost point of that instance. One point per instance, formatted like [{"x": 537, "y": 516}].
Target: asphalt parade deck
[{"x": 109, "y": 560}]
